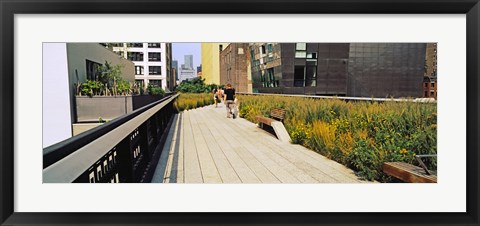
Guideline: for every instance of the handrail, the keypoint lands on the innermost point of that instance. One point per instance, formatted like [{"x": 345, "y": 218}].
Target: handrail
[
  {"x": 126, "y": 146},
  {"x": 55, "y": 152},
  {"x": 417, "y": 100}
]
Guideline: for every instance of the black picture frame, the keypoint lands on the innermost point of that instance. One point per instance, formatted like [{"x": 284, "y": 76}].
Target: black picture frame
[{"x": 10, "y": 7}]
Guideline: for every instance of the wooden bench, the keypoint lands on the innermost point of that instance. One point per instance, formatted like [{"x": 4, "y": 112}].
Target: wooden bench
[
  {"x": 277, "y": 115},
  {"x": 410, "y": 173}
]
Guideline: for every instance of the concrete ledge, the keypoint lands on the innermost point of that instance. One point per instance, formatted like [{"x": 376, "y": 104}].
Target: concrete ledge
[{"x": 280, "y": 131}]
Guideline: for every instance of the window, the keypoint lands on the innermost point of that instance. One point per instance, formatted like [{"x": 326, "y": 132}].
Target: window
[
  {"x": 135, "y": 45},
  {"x": 270, "y": 48},
  {"x": 135, "y": 56},
  {"x": 139, "y": 70},
  {"x": 155, "y": 70},
  {"x": 92, "y": 70},
  {"x": 270, "y": 78},
  {"x": 119, "y": 53},
  {"x": 299, "y": 76},
  {"x": 263, "y": 49},
  {"x": 311, "y": 75},
  {"x": 155, "y": 82},
  {"x": 154, "y": 56},
  {"x": 433, "y": 84},
  {"x": 154, "y": 45},
  {"x": 117, "y": 44},
  {"x": 139, "y": 83},
  {"x": 301, "y": 50},
  {"x": 300, "y": 54},
  {"x": 301, "y": 46},
  {"x": 220, "y": 48}
]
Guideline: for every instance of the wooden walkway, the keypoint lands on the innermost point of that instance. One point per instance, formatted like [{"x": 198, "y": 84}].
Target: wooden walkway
[{"x": 204, "y": 146}]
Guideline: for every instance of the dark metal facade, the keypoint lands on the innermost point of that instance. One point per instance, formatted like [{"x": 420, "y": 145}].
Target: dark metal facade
[
  {"x": 340, "y": 69},
  {"x": 386, "y": 69}
]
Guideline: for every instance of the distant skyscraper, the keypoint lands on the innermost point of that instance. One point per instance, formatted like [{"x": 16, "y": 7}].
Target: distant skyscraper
[
  {"x": 186, "y": 74},
  {"x": 189, "y": 62},
  {"x": 175, "y": 65}
]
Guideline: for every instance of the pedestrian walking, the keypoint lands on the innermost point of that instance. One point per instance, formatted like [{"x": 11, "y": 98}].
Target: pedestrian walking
[
  {"x": 229, "y": 99},
  {"x": 216, "y": 98}
]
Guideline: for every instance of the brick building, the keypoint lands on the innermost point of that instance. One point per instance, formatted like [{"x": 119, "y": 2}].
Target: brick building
[{"x": 234, "y": 66}]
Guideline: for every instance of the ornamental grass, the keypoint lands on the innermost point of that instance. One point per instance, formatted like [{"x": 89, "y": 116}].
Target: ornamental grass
[
  {"x": 359, "y": 134},
  {"x": 187, "y": 101}
]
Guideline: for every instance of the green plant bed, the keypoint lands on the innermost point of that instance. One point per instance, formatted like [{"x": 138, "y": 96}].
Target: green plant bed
[{"x": 360, "y": 135}]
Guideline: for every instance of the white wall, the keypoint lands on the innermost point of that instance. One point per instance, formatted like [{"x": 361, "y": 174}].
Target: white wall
[
  {"x": 145, "y": 63},
  {"x": 56, "y": 98}
]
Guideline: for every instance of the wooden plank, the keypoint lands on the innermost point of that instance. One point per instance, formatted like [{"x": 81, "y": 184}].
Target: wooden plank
[
  {"x": 280, "y": 167},
  {"x": 264, "y": 120},
  {"x": 245, "y": 174},
  {"x": 244, "y": 148},
  {"x": 303, "y": 171},
  {"x": 298, "y": 155},
  {"x": 256, "y": 167},
  {"x": 225, "y": 169},
  {"x": 207, "y": 165},
  {"x": 164, "y": 166},
  {"x": 408, "y": 173},
  {"x": 192, "y": 171},
  {"x": 278, "y": 113},
  {"x": 179, "y": 156},
  {"x": 176, "y": 174},
  {"x": 328, "y": 163}
]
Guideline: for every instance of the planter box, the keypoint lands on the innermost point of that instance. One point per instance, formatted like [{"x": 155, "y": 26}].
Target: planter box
[{"x": 89, "y": 109}]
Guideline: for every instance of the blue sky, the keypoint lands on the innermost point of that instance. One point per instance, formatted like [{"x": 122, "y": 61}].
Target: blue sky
[{"x": 181, "y": 49}]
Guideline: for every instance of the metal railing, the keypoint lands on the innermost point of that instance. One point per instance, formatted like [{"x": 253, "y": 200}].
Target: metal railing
[
  {"x": 418, "y": 100},
  {"x": 124, "y": 150}
]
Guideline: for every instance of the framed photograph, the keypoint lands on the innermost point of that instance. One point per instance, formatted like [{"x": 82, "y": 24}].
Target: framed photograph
[{"x": 379, "y": 48}]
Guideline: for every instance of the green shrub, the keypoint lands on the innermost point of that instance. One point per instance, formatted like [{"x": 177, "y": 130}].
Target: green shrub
[
  {"x": 91, "y": 87},
  {"x": 196, "y": 85},
  {"x": 155, "y": 90}
]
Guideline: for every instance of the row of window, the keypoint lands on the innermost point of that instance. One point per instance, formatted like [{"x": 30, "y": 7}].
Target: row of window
[
  {"x": 140, "y": 45},
  {"x": 156, "y": 82},
  {"x": 135, "y": 45},
  {"x": 152, "y": 70},
  {"x": 138, "y": 56}
]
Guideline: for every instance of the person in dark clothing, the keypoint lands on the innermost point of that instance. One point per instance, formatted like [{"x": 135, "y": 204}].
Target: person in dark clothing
[
  {"x": 229, "y": 98},
  {"x": 216, "y": 97}
]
